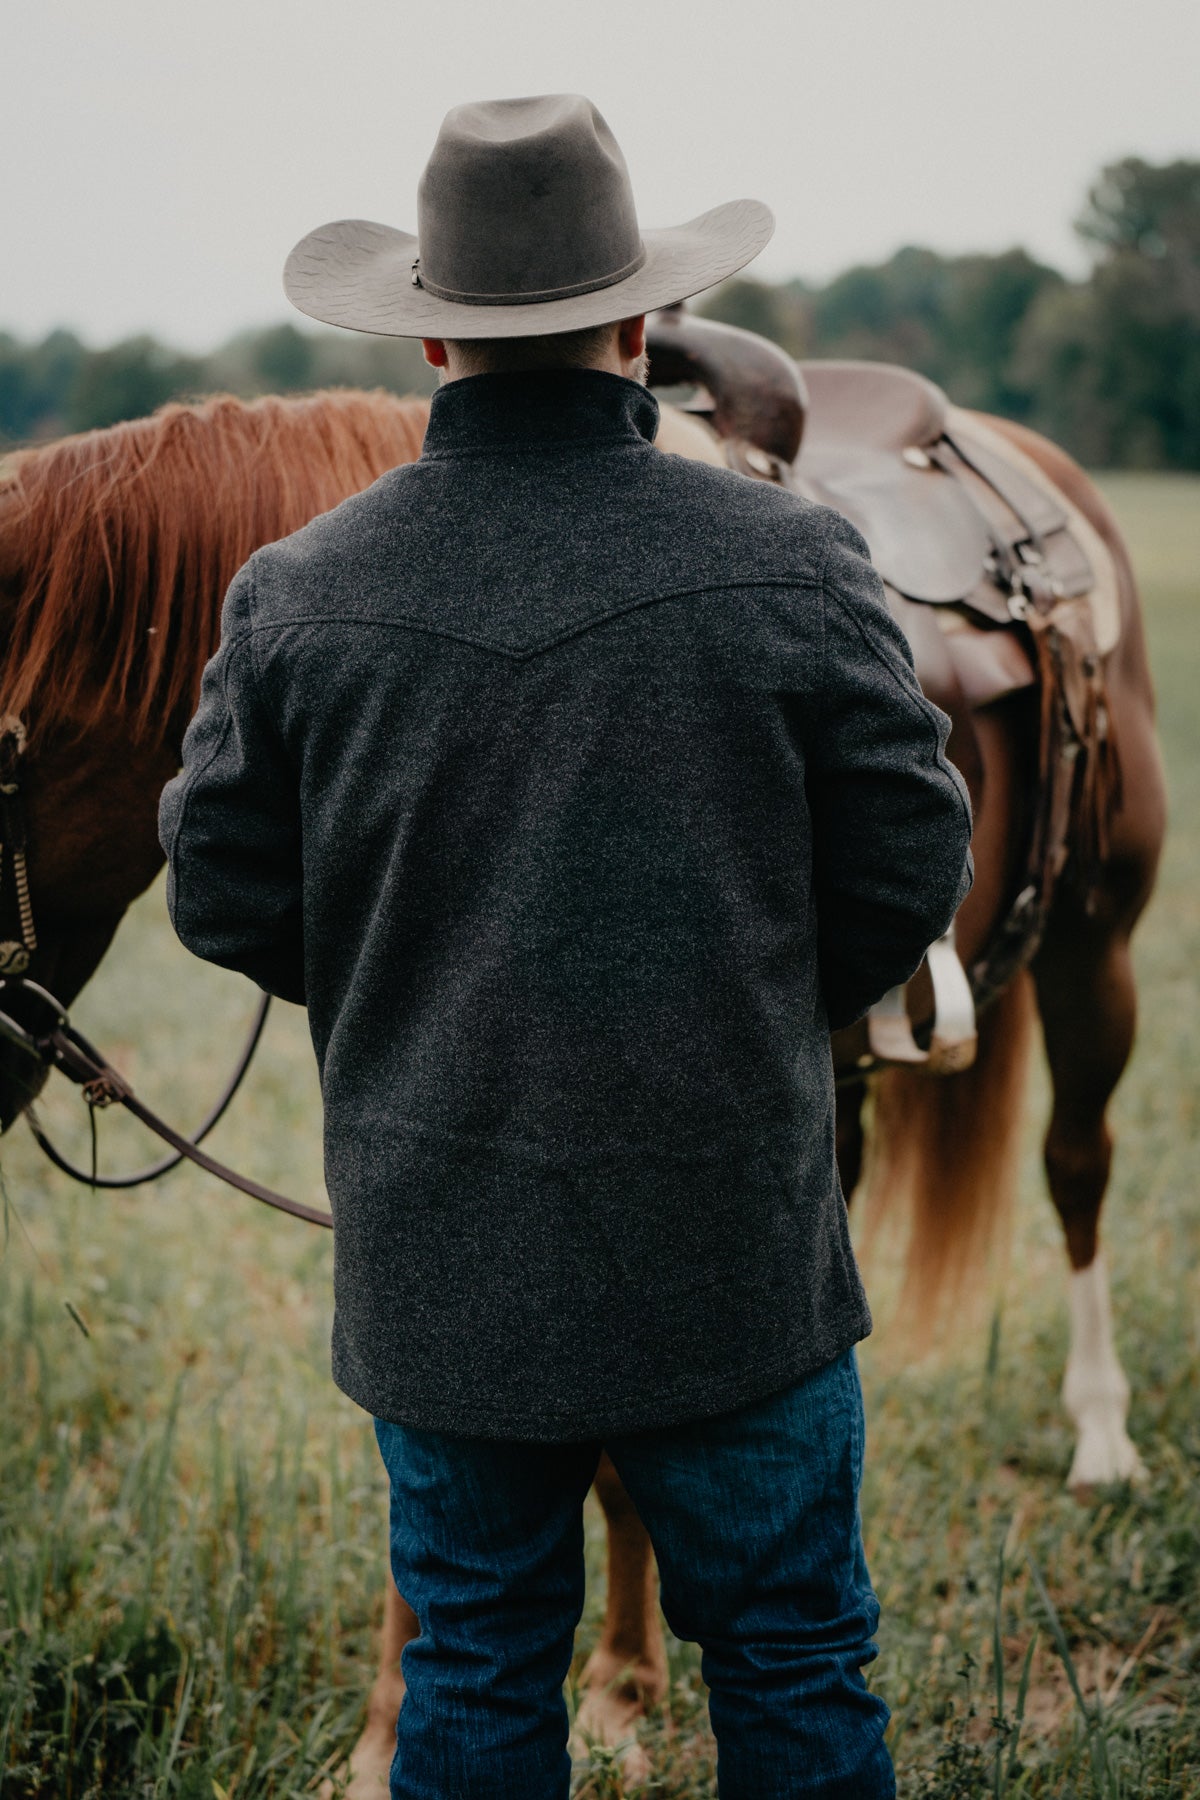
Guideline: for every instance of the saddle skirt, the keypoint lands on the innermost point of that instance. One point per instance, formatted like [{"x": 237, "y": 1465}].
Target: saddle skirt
[{"x": 954, "y": 512}]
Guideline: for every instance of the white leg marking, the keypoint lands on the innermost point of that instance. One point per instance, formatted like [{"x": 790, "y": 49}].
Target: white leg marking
[{"x": 1095, "y": 1389}]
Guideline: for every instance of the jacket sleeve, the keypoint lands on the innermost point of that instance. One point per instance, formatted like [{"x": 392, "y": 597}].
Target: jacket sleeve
[
  {"x": 891, "y": 819},
  {"x": 230, "y": 822}
]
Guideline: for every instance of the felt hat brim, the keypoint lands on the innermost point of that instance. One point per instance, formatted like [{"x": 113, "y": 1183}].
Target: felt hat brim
[{"x": 358, "y": 274}]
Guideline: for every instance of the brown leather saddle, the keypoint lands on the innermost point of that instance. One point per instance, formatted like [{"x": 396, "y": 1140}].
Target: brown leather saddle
[{"x": 998, "y": 582}]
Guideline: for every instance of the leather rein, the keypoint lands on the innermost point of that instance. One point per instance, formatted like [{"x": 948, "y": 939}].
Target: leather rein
[{"x": 51, "y": 1041}]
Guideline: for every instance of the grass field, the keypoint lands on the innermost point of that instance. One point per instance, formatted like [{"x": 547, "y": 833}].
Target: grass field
[{"x": 193, "y": 1519}]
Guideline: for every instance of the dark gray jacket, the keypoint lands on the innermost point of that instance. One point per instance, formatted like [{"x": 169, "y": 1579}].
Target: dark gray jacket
[{"x": 576, "y": 790}]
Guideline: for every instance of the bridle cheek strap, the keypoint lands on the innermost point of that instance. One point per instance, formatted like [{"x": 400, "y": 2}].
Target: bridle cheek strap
[{"x": 14, "y": 956}]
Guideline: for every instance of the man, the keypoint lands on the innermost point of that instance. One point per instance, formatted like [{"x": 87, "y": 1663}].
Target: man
[{"x": 578, "y": 791}]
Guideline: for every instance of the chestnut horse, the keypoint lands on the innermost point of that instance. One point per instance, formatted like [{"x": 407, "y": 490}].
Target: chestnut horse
[{"x": 115, "y": 550}]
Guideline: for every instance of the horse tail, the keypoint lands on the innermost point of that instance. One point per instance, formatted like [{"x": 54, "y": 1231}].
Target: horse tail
[{"x": 944, "y": 1154}]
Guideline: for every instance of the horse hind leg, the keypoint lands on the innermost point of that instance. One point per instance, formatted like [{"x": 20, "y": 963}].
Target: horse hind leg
[
  {"x": 1087, "y": 1001},
  {"x": 367, "y": 1774},
  {"x": 627, "y": 1671}
]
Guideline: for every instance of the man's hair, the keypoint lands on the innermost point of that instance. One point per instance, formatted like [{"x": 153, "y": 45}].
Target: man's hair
[{"x": 564, "y": 350}]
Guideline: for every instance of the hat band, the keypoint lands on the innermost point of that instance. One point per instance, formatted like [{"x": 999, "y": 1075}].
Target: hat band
[{"x": 420, "y": 279}]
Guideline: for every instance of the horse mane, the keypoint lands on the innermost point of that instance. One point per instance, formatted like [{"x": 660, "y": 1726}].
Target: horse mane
[{"x": 117, "y": 546}]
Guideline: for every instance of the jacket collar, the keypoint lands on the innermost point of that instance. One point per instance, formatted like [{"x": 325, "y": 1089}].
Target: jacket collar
[{"x": 545, "y": 407}]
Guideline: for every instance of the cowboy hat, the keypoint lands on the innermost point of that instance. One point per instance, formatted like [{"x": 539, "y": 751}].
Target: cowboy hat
[{"x": 525, "y": 227}]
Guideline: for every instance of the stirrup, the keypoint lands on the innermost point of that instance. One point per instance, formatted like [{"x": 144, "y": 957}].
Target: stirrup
[{"x": 954, "y": 1038}]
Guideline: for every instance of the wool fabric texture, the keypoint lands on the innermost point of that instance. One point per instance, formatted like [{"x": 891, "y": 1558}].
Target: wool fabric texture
[{"x": 577, "y": 790}]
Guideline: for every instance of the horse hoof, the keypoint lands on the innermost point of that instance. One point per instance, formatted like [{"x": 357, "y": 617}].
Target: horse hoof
[
  {"x": 367, "y": 1775},
  {"x": 612, "y": 1707},
  {"x": 1105, "y": 1454},
  {"x": 625, "y": 1756}
]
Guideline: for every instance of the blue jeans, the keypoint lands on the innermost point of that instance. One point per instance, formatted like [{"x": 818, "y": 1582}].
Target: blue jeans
[{"x": 754, "y": 1520}]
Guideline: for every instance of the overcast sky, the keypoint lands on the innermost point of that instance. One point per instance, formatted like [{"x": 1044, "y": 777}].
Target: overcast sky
[{"x": 160, "y": 158}]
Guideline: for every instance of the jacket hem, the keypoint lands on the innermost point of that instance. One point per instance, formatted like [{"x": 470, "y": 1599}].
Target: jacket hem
[{"x": 677, "y": 1404}]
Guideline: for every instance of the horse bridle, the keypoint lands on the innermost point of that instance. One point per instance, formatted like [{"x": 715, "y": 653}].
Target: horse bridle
[{"x": 52, "y": 1042}]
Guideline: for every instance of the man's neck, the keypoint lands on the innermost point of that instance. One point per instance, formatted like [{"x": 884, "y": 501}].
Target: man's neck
[{"x": 633, "y": 368}]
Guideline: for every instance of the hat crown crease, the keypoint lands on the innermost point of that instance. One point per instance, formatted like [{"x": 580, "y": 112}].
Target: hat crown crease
[{"x": 543, "y": 211}]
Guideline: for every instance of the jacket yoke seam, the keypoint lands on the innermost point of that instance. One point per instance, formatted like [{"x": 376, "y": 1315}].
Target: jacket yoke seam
[{"x": 405, "y": 622}]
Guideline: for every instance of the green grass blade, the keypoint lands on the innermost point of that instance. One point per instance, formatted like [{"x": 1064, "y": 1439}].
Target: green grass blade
[
  {"x": 1094, "y": 1721},
  {"x": 1019, "y": 1713},
  {"x": 998, "y": 1778}
]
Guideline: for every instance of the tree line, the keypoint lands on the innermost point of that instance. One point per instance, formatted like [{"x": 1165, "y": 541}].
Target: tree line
[{"x": 1108, "y": 366}]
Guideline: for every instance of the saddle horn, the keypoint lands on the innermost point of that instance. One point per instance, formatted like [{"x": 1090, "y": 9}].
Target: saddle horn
[{"x": 758, "y": 392}]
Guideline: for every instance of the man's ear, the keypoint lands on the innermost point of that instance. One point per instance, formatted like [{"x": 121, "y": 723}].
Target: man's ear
[
  {"x": 435, "y": 352},
  {"x": 631, "y": 338}
]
